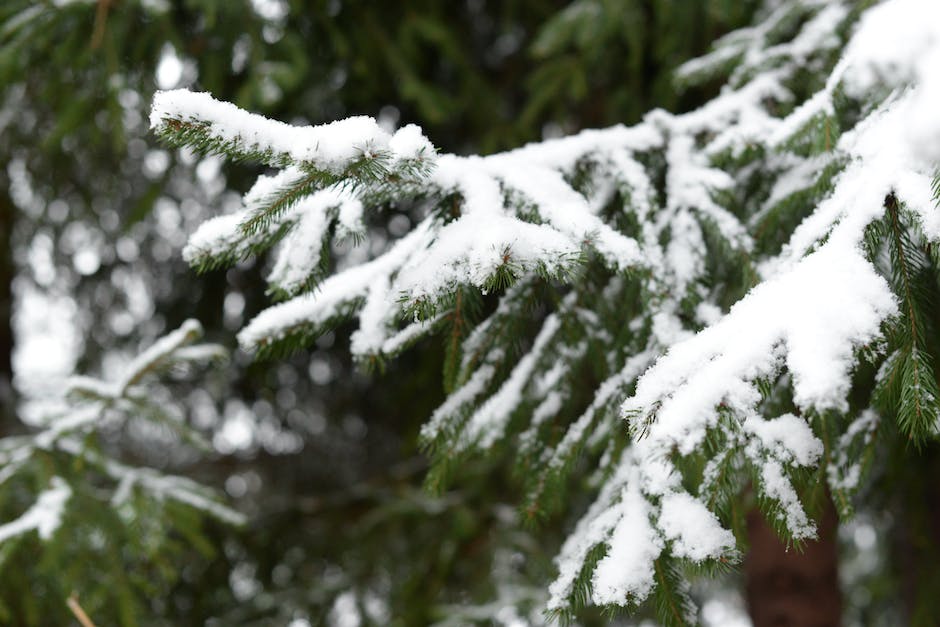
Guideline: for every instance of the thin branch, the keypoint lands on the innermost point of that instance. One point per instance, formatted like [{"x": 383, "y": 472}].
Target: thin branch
[{"x": 79, "y": 613}]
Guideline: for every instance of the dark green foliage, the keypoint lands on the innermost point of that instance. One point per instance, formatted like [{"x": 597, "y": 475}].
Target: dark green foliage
[
  {"x": 674, "y": 606},
  {"x": 907, "y": 386},
  {"x": 609, "y": 61}
]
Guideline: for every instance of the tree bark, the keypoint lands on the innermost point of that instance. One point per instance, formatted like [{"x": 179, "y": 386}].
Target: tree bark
[{"x": 789, "y": 588}]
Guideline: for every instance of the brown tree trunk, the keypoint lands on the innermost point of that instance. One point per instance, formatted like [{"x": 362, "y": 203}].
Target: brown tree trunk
[{"x": 789, "y": 588}]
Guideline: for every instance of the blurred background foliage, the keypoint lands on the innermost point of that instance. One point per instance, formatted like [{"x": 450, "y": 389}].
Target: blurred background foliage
[{"x": 319, "y": 455}]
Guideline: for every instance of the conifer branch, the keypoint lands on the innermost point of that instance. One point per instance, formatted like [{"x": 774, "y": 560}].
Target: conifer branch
[{"x": 718, "y": 274}]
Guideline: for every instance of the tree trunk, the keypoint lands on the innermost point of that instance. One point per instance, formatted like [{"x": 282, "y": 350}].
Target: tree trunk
[{"x": 788, "y": 588}]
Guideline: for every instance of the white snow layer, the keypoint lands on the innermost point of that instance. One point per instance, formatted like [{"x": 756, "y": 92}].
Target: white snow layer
[
  {"x": 44, "y": 516},
  {"x": 694, "y": 531},
  {"x": 634, "y": 542},
  {"x": 330, "y": 147}
]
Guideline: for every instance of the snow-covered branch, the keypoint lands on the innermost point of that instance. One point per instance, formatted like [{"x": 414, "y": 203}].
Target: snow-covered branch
[{"x": 718, "y": 274}]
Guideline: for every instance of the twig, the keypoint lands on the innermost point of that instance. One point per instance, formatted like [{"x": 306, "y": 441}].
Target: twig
[{"x": 80, "y": 614}]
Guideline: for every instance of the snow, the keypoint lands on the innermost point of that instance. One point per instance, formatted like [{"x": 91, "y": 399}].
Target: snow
[
  {"x": 613, "y": 385},
  {"x": 333, "y": 296},
  {"x": 486, "y": 236},
  {"x": 403, "y": 338},
  {"x": 216, "y": 236},
  {"x": 718, "y": 365},
  {"x": 566, "y": 210},
  {"x": 798, "y": 175},
  {"x": 694, "y": 532},
  {"x": 185, "y": 491},
  {"x": 90, "y": 404},
  {"x": 409, "y": 142},
  {"x": 819, "y": 33},
  {"x": 44, "y": 516},
  {"x": 845, "y": 471},
  {"x": 330, "y": 147},
  {"x": 268, "y": 186},
  {"x": 488, "y": 423},
  {"x": 470, "y": 390},
  {"x": 894, "y": 44},
  {"x": 299, "y": 255},
  {"x": 308, "y": 220},
  {"x": 634, "y": 541},
  {"x": 849, "y": 301},
  {"x": 593, "y": 528},
  {"x": 160, "y": 350},
  {"x": 788, "y": 437},
  {"x": 691, "y": 183},
  {"x": 777, "y": 486},
  {"x": 472, "y": 248}
]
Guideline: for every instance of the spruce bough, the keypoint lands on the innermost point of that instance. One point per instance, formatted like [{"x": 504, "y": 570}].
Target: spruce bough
[{"x": 750, "y": 286}]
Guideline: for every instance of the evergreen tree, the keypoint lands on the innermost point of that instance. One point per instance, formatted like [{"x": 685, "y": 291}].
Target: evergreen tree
[
  {"x": 768, "y": 257},
  {"x": 748, "y": 285}
]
